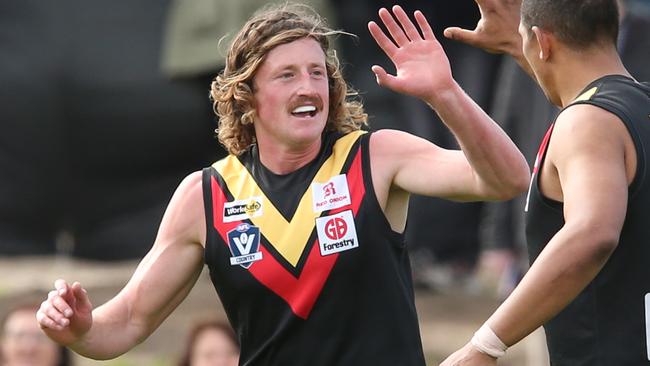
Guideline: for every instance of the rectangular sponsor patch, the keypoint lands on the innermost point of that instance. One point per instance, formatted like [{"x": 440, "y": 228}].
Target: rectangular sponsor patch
[
  {"x": 336, "y": 233},
  {"x": 331, "y": 194},
  {"x": 242, "y": 209}
]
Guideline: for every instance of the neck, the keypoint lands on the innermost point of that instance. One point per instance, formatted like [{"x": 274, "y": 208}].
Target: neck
[
  {"x": 574, "y": 70},
  {"x": 285, "y": 159}
]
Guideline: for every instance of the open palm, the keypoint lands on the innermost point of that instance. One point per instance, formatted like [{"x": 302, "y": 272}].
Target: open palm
[{"x": 422, "y": 67}]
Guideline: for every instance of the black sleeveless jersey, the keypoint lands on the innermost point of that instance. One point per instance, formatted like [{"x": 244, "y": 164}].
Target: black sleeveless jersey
[
  {"x": 608, "y": 323},
  {"x": 306, "y": 265}
]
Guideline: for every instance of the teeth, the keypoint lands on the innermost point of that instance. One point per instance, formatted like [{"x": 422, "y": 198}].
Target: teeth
[{"x": 304, "y": 109}]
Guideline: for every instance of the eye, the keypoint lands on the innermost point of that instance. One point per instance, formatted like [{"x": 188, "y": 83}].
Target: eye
[
  {"x": 286, "y": 75},
  {"x": 318, "y": 72}
]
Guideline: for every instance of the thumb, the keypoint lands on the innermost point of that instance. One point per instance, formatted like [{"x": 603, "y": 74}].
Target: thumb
[
  {"x": 460, "y": 34},
  {"x": 81, "y": 298},
  {"x": 383, "y": 78}
]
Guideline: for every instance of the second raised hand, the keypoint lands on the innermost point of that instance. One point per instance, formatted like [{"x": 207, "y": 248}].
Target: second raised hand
[
  {"x": 496, "y": 31},
  {"x": 422, "y": 67}
]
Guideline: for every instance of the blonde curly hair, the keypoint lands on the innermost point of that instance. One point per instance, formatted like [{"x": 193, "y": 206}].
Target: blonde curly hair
[{"x": 232, "y": 90}]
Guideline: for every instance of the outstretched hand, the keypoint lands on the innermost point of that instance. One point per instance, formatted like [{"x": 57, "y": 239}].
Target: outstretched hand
[
  {"x": 66, "y": 315},
  {"x": 469, "y": 356},
  {"x": 422, "y": 67},
  {"x": 496, "y": 31}
]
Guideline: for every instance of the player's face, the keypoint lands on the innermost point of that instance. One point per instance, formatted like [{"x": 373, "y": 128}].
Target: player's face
[{"x": 291, "y": 94}]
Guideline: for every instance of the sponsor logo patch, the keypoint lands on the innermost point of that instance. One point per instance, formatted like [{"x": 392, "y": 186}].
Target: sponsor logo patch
[
  {"x": 242, "y": 209},
  {"x": 331, "y": 194},
  {"x": 336, "y": 233},
  {"x": 244, "y": 243}
]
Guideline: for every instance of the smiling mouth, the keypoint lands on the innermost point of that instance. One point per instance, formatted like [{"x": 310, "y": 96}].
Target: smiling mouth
[{"x": 304, "y": 111}]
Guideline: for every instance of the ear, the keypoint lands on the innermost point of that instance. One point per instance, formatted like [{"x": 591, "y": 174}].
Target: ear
[{"x": 544, "y": 41}]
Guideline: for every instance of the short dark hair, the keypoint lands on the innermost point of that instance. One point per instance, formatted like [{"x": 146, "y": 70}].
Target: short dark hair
[{"x": 577, "y": 23}]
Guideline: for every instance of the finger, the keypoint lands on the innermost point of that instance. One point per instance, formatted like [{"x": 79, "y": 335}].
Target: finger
[
  {"x": 427, "y": 32},
  {"x": 393, "y": 28},
  {"x": 383, "y": 78},
  {"x": 382, "y": 40},
  {"x": 61, "y": 286},
  {"x": 408, "y": 26},
  {"x": 461, "y": 35},
  {"x": 80, "y": 294},
  {"x": 61, "y": 305},
  {"x": 46, "y": 322},
  {"x": 53, "y": 313}
]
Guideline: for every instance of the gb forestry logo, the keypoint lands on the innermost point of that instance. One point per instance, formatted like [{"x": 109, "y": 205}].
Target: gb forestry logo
[{"x": 336, "y": 233}]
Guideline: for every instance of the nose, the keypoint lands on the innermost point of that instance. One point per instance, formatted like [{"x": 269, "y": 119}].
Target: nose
[{"x": 306, "y": 84}]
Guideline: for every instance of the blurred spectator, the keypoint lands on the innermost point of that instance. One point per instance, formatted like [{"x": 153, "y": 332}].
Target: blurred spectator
[
  {"x": 24, "y": 344},
  {"x": 211, "y": 343}
]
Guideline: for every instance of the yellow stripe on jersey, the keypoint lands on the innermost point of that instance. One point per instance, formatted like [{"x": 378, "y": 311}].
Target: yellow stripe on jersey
[
  {"x": 586, "y": 95},
  {"x": 288, "y": 238}
]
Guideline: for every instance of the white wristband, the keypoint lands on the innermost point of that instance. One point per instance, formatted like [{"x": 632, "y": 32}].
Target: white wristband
[{"x": 487, "y": 342}]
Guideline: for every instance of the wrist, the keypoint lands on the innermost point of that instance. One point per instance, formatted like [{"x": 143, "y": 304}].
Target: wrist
[
  {"x": 487, "y": 342},
  {"x": 443, "y": 97}
]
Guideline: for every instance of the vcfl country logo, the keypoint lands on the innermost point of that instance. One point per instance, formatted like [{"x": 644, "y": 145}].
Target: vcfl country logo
[
  {"x": 244, "y": 243},
  {"x": 336, "y": 233}
]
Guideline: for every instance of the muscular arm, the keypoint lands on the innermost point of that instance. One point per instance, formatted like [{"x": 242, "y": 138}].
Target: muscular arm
[
  {"x": 489, "y": 166},
  {"x": 162, "y": 280},
  {"x": 588, "y": 150},
  {"x": 587, "y": 164}
]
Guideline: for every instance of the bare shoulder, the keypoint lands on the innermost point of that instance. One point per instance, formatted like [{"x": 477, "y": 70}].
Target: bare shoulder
[
  {"x": 386, "y": 147},
  {"x": 393, "y": 142},
  {"x": 588, "y": 121},
  {"x": 388, "y": 138},
  {"x": 189, "y": 193},
  {"x": 587, "y": 132},
  {"x": 192, "y": 183},
  {"x": 185, "y": 214}
]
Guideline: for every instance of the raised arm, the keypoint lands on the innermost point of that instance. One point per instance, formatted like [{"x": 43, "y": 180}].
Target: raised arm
[
  {"x": 594, "y": 211},
  {"x": 162, "y": 280},
  {"x": 489, "y": 166}
]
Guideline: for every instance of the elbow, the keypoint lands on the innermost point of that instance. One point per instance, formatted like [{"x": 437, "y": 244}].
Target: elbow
[
  {"x": 604, "y": 247},
  {"x": 511, "y": 186},
  {"x": 519, "y": 183},
  {"x": 602, "y": 241}
]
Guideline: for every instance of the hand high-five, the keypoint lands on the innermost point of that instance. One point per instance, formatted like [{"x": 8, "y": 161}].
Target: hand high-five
[
  {"x": 422, "y": 67},
  {"x": 66, "y": 314}
]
